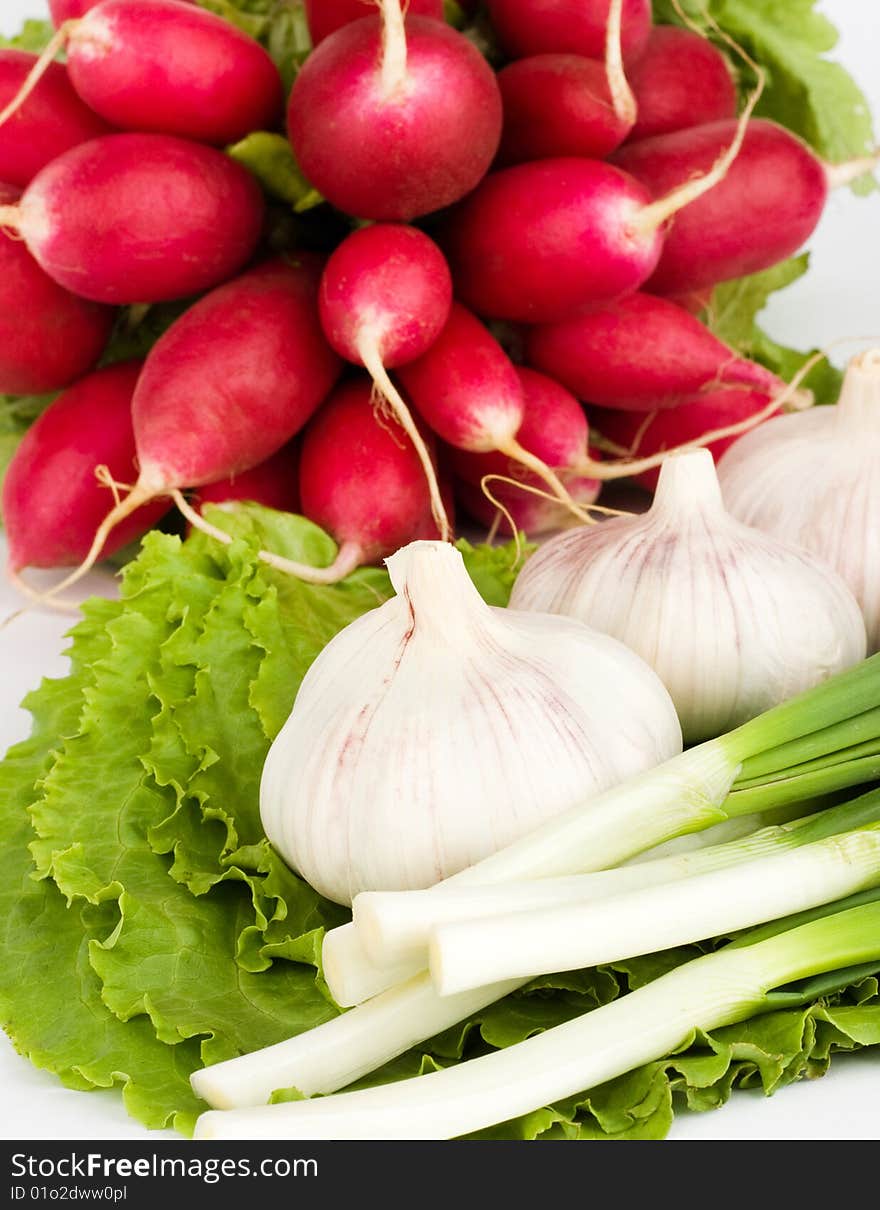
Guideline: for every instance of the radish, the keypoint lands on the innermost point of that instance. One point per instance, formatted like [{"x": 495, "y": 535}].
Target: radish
[
  {"x": 362, "y": 481},
  {"x": 554, "y": 428},
  {"x": 48, "y": 337},
  {"x": 69, "y": 10},
  {"x": 469, "y": 393},
  {"x": 535, "y": 27},
  {"x": 763, "y": 210},
  {"x": 681, "y": 80},
  {"x": 325, "y": 17},
  {"x": 172, "y": 68},
  {"x": 648, "y": 434},
  {"x": 538, "y": 242},
  {"x": 51, "y": 121},
  {"x": 385, "y": 297},
  {"x": 166, "y": 67},
  {"x": 558, "y": 105},
  {"x": 273, "y": 483},
  {"x": 227, "y": 385},
  {"x": 639, "y": 353},
  {"x": 52, "y": 500},
  {"x": 139, "y": 218},
  {"x": 390, "y": 122}
]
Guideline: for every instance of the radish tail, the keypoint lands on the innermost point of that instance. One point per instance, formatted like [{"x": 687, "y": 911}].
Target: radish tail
[
  {"x": 394, "y": 48},
  {"x": 369, "y": 355},
  {"x": 622, "y": 96},
  {"x": 9, "y": 218},
  {"x": 137, "y": 496},
  {"x": 518, "y": 453},
  {"x": 38, "y": 70},
  {"x": 33, "y": 594},
  {"x": 657, "y": 213},
  {"x": 839, "y": 175},
  {"x": 348, "y": 558},
  {"x": 638, "y": 466}
]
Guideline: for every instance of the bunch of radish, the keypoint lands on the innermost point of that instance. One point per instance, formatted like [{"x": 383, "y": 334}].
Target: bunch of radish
[{"x": 524, "y": 248}]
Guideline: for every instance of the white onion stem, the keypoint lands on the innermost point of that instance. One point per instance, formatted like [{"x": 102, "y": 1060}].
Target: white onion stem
[
  {"x": 340, "y": 1051},
  {"x": 525, "y": 944},
  {"x": 657, "y": 1019},
  {"x": 396, "y": 925}
]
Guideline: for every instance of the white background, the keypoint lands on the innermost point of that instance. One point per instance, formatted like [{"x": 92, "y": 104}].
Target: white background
[{"x": 838, "y": 301}]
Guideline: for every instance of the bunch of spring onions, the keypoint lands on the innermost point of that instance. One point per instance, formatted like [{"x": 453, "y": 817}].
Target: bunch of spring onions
[{"x": 544, "y": 889}]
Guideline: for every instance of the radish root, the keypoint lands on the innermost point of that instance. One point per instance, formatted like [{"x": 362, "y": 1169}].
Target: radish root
[
  {"x": 657, "y": 213},
  {"x": 348, "y": 558},
  {"x": 622, "y": 96},
  {"x": 368, "y": 351},
  {"x": 37, "y": 72},
  {"x": 627, "y": 467},
  {"x": 394, "y": 49},
  {"x": 518, "y": 453},
  {"x": 839, "y": 175}
]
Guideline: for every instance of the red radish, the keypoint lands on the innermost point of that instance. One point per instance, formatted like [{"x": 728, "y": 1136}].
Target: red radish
[
  {"x": 559, "y": 105},
  {"x": 538, "y": 242},
  {"x": 52, "y": 500},
  {"x": 468, "y": 392},
  {"x": 578, "y": 27},
  {"x": 51, "y": 121},
  {"x": 273, "y": 483},
  {"x": 172, "y": 68},
  {"x": 763, "y": 210},
  {"x": 681, "y": 80},
  {"x": 325, "y": 17},
  {"x": 69, "y": 10},
  {"x": 48, "y": 337},
  {"x": 362, "y": 481},
  {"x": 646, "y": 435},
  {"x": 391, "y": 121},
  {"x": 554, "y": 428},
  {"x": 640, "y": 353},
  {"x": 139, "y": 218},
  {"x": 227, "y": 385},
  {"x": 385, "y": 298}
]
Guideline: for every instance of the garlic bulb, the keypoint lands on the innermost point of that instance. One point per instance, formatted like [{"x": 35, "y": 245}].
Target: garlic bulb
[
  {"x": 732, "y": 620},
  {"x": 435, "y": 730},
  {"x": 814, "y": 478}
]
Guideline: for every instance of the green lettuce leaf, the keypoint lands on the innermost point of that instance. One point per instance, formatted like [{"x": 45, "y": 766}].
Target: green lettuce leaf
[{"x": 50, "y": 998}]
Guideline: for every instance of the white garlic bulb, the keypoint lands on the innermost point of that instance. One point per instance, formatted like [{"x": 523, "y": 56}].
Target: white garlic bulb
[
  {"x": 733, "y": 621},
  {"x": 814, "y": 478},
  {"x": 436, "y": 729}
]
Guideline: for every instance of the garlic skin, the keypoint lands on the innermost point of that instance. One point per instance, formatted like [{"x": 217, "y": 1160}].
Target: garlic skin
[
  {"x": 733, "y": 621},
  {"x": 437, "y": 729},
  {"x": 813, "y": 478}
]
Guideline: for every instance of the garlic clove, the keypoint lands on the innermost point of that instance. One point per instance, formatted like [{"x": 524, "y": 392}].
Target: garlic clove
[
  {"x": 437, "y": 729},
  {"x": 732, "y": 621}
]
